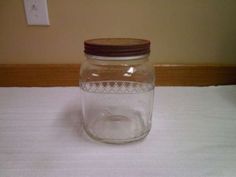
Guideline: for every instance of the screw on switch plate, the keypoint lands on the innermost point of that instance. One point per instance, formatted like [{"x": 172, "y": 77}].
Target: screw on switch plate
[{"x": 36, "y": 12}]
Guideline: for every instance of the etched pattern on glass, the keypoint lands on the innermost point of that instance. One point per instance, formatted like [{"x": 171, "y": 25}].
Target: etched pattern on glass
[{"x": 116, "y": 87}]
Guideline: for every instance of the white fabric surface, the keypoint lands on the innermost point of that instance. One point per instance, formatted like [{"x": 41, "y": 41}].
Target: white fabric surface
[{"x": 193, "y": 135}]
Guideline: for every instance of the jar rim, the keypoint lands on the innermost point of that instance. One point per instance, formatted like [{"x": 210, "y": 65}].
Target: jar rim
[{"x": 106, "y": 58}]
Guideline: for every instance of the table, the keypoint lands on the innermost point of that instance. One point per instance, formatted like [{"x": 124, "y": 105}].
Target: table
[{"x": 193, "y": 135}]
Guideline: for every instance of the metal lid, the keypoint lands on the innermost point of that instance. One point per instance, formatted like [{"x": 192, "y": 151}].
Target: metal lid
[{"x": 117, "y": 47}]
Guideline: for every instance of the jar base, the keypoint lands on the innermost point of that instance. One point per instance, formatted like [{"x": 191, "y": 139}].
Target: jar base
[
  {"x": 117, "y": 129},
  {"x": 117, "y": 141}
]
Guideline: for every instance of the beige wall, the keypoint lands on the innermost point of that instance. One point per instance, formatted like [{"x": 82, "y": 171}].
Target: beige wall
[{"x": 181, "y": 31}]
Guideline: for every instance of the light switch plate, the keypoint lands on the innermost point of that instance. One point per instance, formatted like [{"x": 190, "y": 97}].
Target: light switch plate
[{"x": 36, "y": 12}]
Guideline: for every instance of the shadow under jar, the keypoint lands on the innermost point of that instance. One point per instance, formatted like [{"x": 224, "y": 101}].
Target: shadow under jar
[{"x": 117, "y": 89}]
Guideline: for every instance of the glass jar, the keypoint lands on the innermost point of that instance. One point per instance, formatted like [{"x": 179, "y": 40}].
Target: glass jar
[{"x": 117, "y": 88}]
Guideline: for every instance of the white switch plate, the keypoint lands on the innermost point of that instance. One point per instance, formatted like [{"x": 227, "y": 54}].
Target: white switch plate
[{"x": 36, "y": 12}]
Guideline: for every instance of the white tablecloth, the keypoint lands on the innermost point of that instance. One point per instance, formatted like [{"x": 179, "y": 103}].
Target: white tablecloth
[{"x": 193, "y": 135}]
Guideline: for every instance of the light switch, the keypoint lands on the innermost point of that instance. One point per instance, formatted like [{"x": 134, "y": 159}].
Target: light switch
[{"x": 36, "y": 12}]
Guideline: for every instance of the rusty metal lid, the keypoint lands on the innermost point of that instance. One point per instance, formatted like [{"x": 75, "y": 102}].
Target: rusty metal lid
[{"x": 117, "y": 47}]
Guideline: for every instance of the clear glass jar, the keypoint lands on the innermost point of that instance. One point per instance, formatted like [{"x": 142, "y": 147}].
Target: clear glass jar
[{"x": 117, "y": 89}]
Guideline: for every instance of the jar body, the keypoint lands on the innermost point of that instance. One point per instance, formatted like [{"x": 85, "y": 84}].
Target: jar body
[{"x": 117, "y": 98}]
